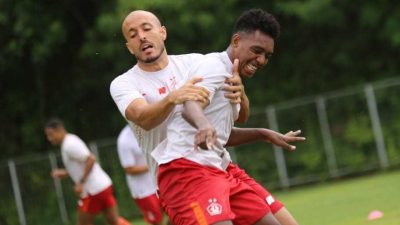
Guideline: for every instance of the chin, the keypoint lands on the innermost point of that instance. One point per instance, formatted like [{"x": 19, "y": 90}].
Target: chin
[{"x": 246, "y": 75}]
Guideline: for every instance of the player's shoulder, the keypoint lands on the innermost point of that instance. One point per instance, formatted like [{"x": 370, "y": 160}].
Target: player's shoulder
[
  {"x": 123, "y": 78},
  {"x": 213, "y": 62},
  {"x": 127, "y": 75},
  {"x": 71, "y": 140},
  {"x": 186, "y": 59}
]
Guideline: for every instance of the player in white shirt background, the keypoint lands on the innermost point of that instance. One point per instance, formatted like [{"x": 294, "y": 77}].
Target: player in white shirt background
[
  {"x": 92, "y": 184},
  {"x": 139, "y": 179},
  {"x": 146, "y": 99}
]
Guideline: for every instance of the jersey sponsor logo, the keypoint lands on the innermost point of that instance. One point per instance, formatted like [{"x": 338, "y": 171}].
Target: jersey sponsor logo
[
  {"x": 162, "y": 90},
  {"x": 214, "y": 208},
  {"x": 270, "y": 199}
]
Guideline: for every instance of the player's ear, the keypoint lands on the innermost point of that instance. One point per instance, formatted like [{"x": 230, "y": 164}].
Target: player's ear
[
  {"x": 163, "y": 31},
  {"x": 235, "y": 40}
]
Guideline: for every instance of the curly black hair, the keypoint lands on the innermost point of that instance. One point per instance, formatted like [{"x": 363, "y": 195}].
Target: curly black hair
[{"x": 257, "y": 19}]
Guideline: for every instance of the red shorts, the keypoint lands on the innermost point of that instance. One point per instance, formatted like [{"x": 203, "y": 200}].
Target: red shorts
[
  {"x": 96, "y": 203},
  {"x": 151, "y": 208},
  {"x": 274, "y": 204},
  {"x": 193, "y": 194}
]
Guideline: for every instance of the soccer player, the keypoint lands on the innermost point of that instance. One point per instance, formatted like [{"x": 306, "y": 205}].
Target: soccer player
[
  {"x": 147, "y": 94},
  {"x": 138, "y": 177},
  {"x": 92, "y": 184},
  {"x": 189, "y": 128}
]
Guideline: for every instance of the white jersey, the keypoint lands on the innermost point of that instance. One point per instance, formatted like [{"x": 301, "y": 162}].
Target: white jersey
[
  {"x": 74, "y": 154},
  {"x": 214, "y": 69},
  {"x": 140, "y": 185},
  {"x": 153, "y": 87}
]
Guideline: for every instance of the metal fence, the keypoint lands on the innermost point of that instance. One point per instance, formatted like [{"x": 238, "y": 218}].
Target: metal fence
[{"x": 348, "y": 131}]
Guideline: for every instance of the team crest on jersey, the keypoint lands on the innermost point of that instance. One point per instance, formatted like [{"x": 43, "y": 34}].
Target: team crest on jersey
[
  {"x": 162, "y": 90},
  {"x": 214, "y": 208}
]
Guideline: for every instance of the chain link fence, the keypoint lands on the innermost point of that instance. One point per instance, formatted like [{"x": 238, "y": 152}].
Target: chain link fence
[{"x": 348, "y": 132}]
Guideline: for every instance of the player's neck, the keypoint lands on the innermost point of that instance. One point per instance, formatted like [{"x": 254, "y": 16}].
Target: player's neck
[
  {"x": 63, "y": 135},
  {"x": 229, "y": 51},
  {"x": 155, "y": 66}
]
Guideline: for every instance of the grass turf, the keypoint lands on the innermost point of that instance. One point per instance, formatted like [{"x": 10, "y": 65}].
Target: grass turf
[{"x": 346, "y": 202}]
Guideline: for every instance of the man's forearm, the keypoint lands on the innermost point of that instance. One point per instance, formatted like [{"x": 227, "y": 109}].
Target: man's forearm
[
  {"x": 244, "y": 112},
  {"x": 135, "y": 170},
  {"x": 241, "y": 136},
  {"x": 88, "y": 167},
  {"x": 193, "y": 114},
  {"x": 147, "y": 115}
]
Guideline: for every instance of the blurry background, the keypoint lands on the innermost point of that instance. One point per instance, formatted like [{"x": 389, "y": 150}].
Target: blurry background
[{"x": 334, "y": 75}]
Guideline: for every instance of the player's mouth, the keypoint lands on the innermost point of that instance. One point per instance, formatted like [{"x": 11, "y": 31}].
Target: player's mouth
[
  {"x": 251, "y": 68},
  {"x": 146, "y": 47}
]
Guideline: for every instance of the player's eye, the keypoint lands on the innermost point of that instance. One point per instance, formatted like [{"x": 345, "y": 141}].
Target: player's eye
[{"x": 257, "y": 51}]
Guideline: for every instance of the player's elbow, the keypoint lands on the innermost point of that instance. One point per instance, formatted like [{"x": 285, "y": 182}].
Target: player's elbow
[
  {"x": 242, "y": 119},
  {"x": 147, "y": 126},
  {"x": 139, "y": 119},
  {"x": 91, "y": 159}
]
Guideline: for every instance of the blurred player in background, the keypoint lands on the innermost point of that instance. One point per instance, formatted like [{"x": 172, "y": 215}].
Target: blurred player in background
[
  {"x": 138, "y": 177},
  {"x": 92, "y": 184}
]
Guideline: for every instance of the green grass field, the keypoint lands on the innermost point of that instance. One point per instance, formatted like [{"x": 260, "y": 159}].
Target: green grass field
[{"x": 346, "y": 202}]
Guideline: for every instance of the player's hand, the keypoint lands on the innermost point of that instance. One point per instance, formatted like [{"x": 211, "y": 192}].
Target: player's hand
[
  {"x": 78, "y": 189},
  {"x": 234, "y": 89},
  {"x": 205, "y": 137},
  {"x": 283, "y": 140},
  {"x": 189, "y": 92},
  {"x": 58, "y": 173}
]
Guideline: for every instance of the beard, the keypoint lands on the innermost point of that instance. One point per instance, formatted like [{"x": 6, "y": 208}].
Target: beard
[{"x": 151, "y": 59}]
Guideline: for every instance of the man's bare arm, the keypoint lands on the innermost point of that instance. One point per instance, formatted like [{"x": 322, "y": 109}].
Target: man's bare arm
[
  {"x": 88, "y": 167},
  {"x": 248, "y": 135},
  {"x": 193, "y": 113},
  {"x": 135, "y": 170},
  {"x": 59, "y": 173},
  {"x": 149, "y": 116},
  {"x": 244, "y": 112}
]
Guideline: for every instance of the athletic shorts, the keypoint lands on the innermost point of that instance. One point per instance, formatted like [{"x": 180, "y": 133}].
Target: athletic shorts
[
  {"x": 193, "y": 194},
  {"x": 94, "y": 204},
  {"x": 274, "y": 204},
  {"x": 151, "y": 208}
]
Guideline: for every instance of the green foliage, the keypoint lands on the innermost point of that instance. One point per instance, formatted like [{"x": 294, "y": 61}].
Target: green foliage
[{"x": 50, "y": 51}]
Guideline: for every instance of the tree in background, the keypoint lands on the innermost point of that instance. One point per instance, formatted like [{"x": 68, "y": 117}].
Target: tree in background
[{"x": 58, "y": 58}]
